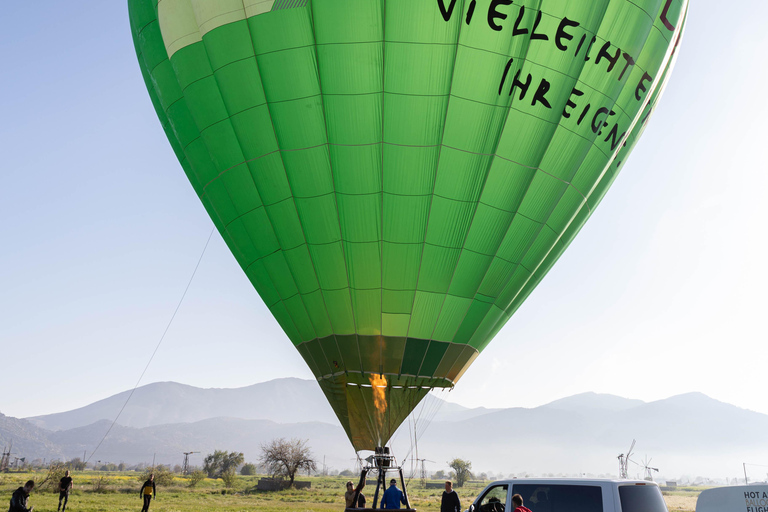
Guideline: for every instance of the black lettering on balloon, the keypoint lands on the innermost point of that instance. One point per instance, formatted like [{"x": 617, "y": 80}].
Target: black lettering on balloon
[
  {"x": 664, "y": 14},
  {"x": 523, "y": 86},
  {"x": 603, "y": 54},
  {"x": 534, "y": 35},
  {"x": 504, "y": 76},
  {"x": 597, "y": 126},
  {"x": 589, "y": 48},
  {"x": 493, "y": 13},
  {"x": 544, "y": 86},
  {"x": 614, "y": 137},
  {"x": 571, "y": 104},
  {"x": 583, "y": 114},
  {"x": 471, "y": 10},
  {"x": 516, "y": 30},
  {"x": 581, "y": 42},
  {"x": 641, "y": 86},
  {"x": 630, "y": 62},
  {"x": 447, "y": 13},
  {"x": 562, "y": 34}
]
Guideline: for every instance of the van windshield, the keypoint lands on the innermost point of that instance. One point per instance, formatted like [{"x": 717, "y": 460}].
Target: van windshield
[
  {"x": 641, "y": 498},
  {"x": 560, "y": 498}
]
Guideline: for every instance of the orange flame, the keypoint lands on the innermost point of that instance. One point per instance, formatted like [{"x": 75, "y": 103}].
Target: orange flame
[{"x": 379, "y": 386}]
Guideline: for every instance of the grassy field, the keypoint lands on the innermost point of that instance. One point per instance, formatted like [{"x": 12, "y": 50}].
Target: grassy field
[{"x": 118, "y": 492}]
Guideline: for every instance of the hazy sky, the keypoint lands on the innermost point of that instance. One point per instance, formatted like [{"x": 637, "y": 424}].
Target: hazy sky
[{"x": 662, "y": 293}]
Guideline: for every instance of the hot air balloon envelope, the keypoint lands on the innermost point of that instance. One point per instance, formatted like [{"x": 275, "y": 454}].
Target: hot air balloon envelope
[{"x": 396, "y": 176}]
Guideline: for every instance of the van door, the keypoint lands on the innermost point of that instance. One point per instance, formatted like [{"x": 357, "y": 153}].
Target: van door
[
  {"x": 560, "y": 498},
  {"x": 494, "y": 499}
]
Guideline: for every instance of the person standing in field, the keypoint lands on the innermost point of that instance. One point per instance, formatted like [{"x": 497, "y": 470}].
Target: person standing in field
[
  {"x": 450, "y": 501},
  {"x": 352, "y": 496},
  {"x": 393, "y": 496},
  {"x": 20, "y": 496},
  {"x": 148, "y": 491},
  {"x": 65, "y": 485}
]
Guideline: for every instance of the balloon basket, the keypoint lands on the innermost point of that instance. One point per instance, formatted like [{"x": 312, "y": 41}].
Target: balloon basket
[{"x": 381, "y": 463}]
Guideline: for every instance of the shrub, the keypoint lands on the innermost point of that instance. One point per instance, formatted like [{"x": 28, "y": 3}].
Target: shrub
[
  {"x": 163, "y": 476},
  {"x": 196, "y": 477},
  {"x": 229, "y": 477}
]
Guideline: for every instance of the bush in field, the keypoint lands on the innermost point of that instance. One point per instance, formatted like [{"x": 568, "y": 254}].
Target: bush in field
[
  {"x": 100, "y": 483},
  {"x": 76, "y": 464},
  {"x": 220, "y": 462},
  {"x": 229, "y": 476},
  {"x": 56, "y": 471},
  {"x": 196, "y": 477},
  {"x": 163, "y": 476},
  {"x": 248, "y": 469}
]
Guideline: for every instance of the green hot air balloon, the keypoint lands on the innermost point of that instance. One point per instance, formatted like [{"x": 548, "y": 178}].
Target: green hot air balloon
[{"x": 396, "y": 176}]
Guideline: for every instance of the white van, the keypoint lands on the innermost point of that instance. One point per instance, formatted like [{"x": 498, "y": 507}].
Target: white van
[{"x": 571, "y": 495}]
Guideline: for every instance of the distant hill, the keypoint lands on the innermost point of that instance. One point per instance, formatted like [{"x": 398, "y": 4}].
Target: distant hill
[
  {"x": 280, "y": 400},
  {"x": 28, "y": 440},
  {"x": 288, "y": 400},
  {"x": 594, "y": 401},
  {"x": 689, "y": 434}
]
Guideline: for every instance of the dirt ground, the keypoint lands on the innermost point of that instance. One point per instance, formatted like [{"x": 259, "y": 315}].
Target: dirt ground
[{"x": 681, "y": 503}]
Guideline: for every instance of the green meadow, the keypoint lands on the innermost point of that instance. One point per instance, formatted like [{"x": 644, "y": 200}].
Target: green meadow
[{"x": 119, "y": 491}]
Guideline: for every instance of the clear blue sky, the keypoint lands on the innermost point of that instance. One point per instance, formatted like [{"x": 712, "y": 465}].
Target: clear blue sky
[{"x": 662, "y": 293}]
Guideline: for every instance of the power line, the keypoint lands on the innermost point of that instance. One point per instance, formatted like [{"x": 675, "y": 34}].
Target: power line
[{"x": 156, "y": 348}]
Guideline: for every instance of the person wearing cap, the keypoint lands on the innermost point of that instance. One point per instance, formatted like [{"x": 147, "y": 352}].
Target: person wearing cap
[{"x": 393, "y": 496}]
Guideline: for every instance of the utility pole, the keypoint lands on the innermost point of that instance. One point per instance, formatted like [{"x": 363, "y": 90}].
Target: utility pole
[
  {"x": 185, "y": 466},
  {"x": 423, "y": 472}
]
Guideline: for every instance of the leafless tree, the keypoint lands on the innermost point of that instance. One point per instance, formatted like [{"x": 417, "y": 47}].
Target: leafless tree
[{"x": 284, "y": 458}]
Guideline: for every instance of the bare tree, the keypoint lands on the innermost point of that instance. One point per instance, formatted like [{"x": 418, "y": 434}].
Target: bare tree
[{"x": 284, "y": 458}]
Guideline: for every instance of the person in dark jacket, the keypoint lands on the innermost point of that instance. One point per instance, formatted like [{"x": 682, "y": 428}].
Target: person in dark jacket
[
  {"x": 450, "y": 501},
  {"x": 393, "y": 496},
  {"x": 20, "y": 496},
  {"x": 517, "y": 501},
  {"x": 65, "y": 485},
  {"x": 148, "y": 491}
]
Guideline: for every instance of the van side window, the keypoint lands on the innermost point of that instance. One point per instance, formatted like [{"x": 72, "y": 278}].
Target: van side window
[
  {"x": 495, "y": 499},
  {"x": 560, "y": 498}
]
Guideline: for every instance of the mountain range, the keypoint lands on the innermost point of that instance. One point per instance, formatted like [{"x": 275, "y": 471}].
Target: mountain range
[{"x": 688, "y": 434}]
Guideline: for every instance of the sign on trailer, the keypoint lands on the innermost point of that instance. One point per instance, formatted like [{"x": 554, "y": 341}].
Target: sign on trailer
[{"x": 738, "y": 498}]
